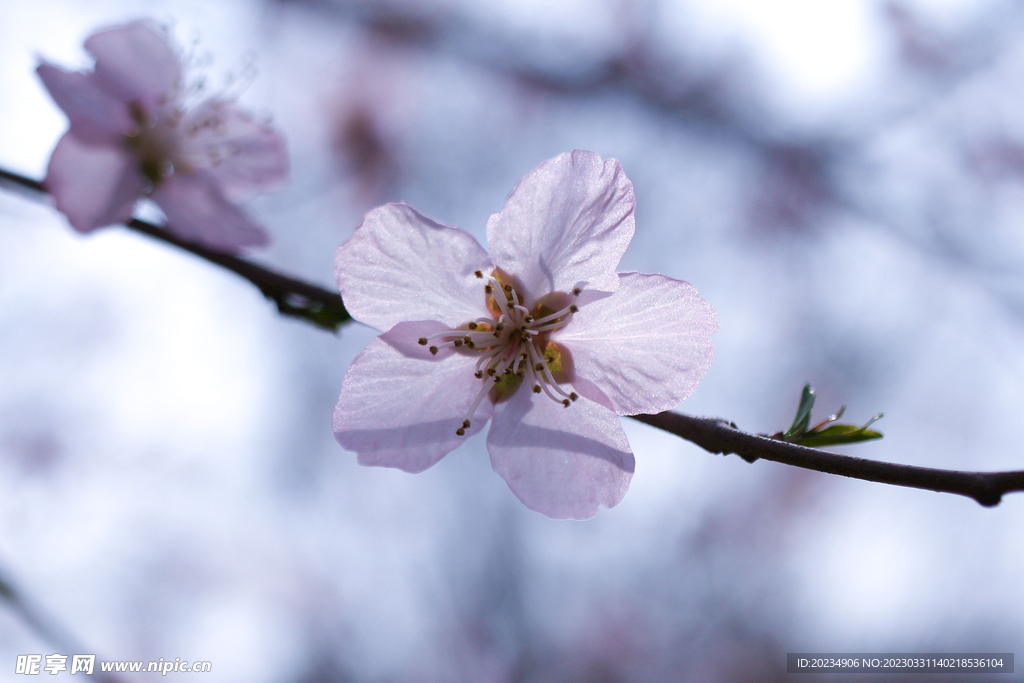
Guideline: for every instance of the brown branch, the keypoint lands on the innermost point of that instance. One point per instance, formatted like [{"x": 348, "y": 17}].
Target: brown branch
[
  {"x": 719, "y": 436},
  {"x": 293, "y": 297},
  {"x": 715, "y": 436}
]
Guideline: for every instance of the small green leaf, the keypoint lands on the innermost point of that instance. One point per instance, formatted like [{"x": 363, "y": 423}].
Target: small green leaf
[
  {"x": 838, "y": 434},
  {"x": 803, "y": 414},
  {"x": 826, "y": 437}
]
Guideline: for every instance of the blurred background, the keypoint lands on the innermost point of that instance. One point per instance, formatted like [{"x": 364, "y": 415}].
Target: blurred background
[{"x": 842, "y": 180}]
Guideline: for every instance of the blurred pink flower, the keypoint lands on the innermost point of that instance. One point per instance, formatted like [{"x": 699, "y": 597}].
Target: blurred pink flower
[
  {"x": 131, "y": 135},
  {"x": 541, "y": 334}
]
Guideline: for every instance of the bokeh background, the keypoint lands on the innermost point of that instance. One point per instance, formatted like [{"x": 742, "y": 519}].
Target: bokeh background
[{"x": 842, "y": 180}]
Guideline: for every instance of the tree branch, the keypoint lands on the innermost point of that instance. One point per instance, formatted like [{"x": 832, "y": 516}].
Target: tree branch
[
  {"x": 719, "y": 436},
  {"x": 293, "y": 297},
  {"x": 325, "y": 309}
]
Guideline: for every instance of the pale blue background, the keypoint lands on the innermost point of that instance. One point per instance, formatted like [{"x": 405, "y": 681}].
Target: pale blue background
[{"x": 844, "y": 187}]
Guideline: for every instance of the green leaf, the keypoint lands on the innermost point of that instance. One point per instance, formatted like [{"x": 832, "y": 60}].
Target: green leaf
[
  {"x": 803, "y": 414},
  {"x": 821, "y": 439},
  {"x": 836, "y": 435}
]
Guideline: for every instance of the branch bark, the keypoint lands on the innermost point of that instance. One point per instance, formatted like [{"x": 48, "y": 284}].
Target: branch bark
[
  {"x": 293, "y": 297},
  {"x": 719, "y": 436},
  {"x": 325, "y": 309}
]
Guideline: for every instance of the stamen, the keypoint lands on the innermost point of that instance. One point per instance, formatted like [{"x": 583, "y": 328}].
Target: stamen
[
  {"x": 552, "y": 326},
  {"x": 555, "y": 316},
  {"x": 547, "y": 378},
  {"x": 446, "y": 333},
  {"x": 501, "y": 301},
  {"x": 461, "y": 431}
]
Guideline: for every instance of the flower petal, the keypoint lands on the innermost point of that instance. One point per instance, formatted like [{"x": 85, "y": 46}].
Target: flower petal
[
  {"x": 135, "y": 63},
  {"x": 561, "y": 462},
  {"x": 646, "y": 346},
  {"x": 397, "y": 410},
  {"x": 84, "y": 102},
  {"x": 197, "y": 210},
  {"x": 400, "y": 265},
  {"x": 244, "y": 155},
  {"x": 565, "y": 225},
  {"x": 92, "y": 184}
]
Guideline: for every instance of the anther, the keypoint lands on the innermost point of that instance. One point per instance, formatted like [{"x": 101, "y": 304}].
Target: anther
[
  {"x": 479, "y": 274},
  {"x": 423, "y": 341},
  {"x": 536, "y": 388},
  {"x": 573, "y": 396},
  {"x": 473, "y": 326},
  {"x": 488, "y": 289},
  {"x": 490, "y": 372},
  {"x": 465, "y": 423},
  {"x": 573, "y": 308},
  {"x": 538, "y": 367},
  {"x": 576, "y": 292},
  {"x": 458, "y": 342},
  {"x": 508, "y": 288},
  {"x": 565, "y": 402},
  {"x": 499, "y": 327},
  {"x": 460, "y": 431},
  {"x": 528, "y": 319},
  {"x": 433, "y": 350},
  {"x": 478, "y": 374}
]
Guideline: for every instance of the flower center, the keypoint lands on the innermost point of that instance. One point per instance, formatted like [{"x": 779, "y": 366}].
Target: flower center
[
  {"x": 154, "y": 142},
  {"x": 513, "y": 346}
]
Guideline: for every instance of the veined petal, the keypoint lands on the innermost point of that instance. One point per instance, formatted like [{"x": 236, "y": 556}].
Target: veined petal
[
  {"x": 400, "y": 265},
  {"x": 646, "y": 346},
  {"x": 135, "y": 63},
  {"x": 565, "y": 225},
  {"x": 84, "y": 102},
  {"x": 398, "y": 410},
  {"x": 197, "y": 210},
  {"x": 92, "y": 184},
  {"x": 245, "y": 156},
  {"x": 561, "y": 462}
]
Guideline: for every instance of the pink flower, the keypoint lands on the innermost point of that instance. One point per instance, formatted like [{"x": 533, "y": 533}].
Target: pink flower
[
  {"x": 541, "y": 334},
  {"x": 131, "y": 135}
]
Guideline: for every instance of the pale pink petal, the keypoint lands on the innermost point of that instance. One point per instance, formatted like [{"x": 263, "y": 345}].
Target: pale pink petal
[
  {"x": 85, "y": 104},
  {"x": 565, "y": 225},
  {"x": 135, "y": 63},
  {"x": 92, "y": 184},
  {"x": 400, "y": 410},
  {"x": 245, "y": 156},
  {"x": 400, "y": 265},
  {"x": 198, "y": 211},
  {"x": 646, "y": 347},
  {"x": 561, "y": 462}
]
